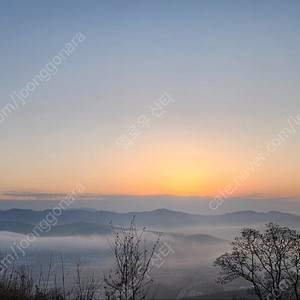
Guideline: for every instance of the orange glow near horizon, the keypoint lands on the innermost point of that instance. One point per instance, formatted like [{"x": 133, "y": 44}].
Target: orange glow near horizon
[
  {"x": 153, "y": 170},
  {"x": 197, "y": 88}
]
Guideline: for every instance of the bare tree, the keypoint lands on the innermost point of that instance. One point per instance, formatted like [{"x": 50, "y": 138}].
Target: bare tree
[
  {"x": 86, "y": 288},
  {"x": 269, "y": 260},
  {"x": 21, "y": 283},
  {"x": 129, "y": 279}
]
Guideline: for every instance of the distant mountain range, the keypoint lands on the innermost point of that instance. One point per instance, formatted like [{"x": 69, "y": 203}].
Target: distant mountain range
[{"x": 82, "y": 221}]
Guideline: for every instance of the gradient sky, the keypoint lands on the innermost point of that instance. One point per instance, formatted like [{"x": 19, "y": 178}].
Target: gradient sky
[{"x": 233, "y": 68}]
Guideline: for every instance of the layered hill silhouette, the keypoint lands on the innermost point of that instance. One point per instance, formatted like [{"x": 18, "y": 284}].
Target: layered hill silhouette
[{"x": 73, "y": 222}]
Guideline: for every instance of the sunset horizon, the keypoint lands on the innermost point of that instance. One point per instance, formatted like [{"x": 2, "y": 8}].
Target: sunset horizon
[{"x": 149, "y": 149}]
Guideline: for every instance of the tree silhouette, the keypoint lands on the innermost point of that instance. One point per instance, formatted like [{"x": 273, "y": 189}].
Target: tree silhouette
[
  {"x": 129, "y": 279},
  {"x": 269, "y": 260}
]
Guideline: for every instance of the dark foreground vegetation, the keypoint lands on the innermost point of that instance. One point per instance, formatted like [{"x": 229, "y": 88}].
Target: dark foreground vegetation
[
  {"x": 128, "y": 278},
  {"x": 269, "y": 261}
]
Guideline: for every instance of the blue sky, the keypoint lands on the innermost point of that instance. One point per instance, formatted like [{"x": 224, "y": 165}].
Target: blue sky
[{"x": 232, "y": 66}]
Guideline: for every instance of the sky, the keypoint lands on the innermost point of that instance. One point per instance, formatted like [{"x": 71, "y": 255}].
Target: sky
[{"x": 229, "y": 70}]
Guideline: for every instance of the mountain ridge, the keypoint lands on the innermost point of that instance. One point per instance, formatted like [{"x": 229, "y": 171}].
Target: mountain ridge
[{"x": 155, "y": 218}]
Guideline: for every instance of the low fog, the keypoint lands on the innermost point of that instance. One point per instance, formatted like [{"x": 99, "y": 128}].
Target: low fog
[
  {"x": 185, "y": 254},
  {"x": 188, "y": 265}
]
